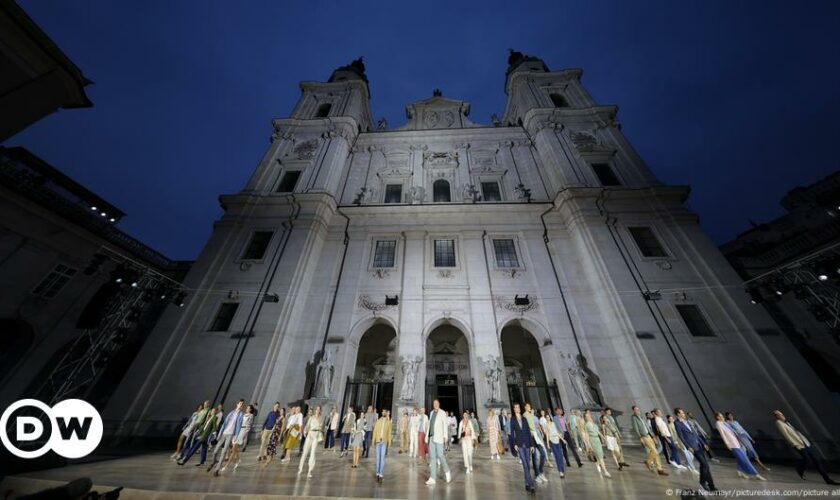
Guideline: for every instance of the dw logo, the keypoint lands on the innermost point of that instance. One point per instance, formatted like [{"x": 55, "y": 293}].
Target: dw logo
[{"x": 75, "y": 428}]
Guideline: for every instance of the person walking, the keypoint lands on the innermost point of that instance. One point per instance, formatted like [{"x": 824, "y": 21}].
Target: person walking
[
  {"x": 313, "y": 434},
  {"x": 521, "y": 442},
  {"x": 704, "y": 436},
  {"x": 692, "y": 441},
  {"x": 202, "y": 439},
  {"x": 747, "y": 442},
  {"x": 592, "y": 439},
  {"x": 358, "y": 439},
  {"x": 193, "y": 422},
  {"x": 611, "y": 441},
  {"x": 744, "y": 468},
  {"x": 642, "y": 430},
  {"x": 413, "y": 433},
  {"x": 241, "y": 437},
  {"x": 370, "y": 419},
  {"x": 381, "y": 442},
  {"x": 435, "y": 440},
  {"x": 402, "y": 429},
  {"x": 553, "y": 439},
  {"x": 800, "y": 443},
  {"x": 467, "y": 436},
  {"x": 668, "y": 447},
  {"x": 348, "y": 424},
  {"x": 538, "y": 444},
  {"x": 422, "y": 443},
  {"x": 267, "y": 429},
  {"x": 612, "y": 427},
  {"x": 568, "y": 442},
  {"x": 494, "y": 435},
  {"x": 331, "y": 425},
  {"x": 229, "y": 430},
  {"x": 680, "y": 448}
]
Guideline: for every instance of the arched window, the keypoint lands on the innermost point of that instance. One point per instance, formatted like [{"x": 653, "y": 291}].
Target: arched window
[
  {"x": 323, "y": 110},
  {"x": 559, "y": 101},
  {"x": 440, "y": 191}
]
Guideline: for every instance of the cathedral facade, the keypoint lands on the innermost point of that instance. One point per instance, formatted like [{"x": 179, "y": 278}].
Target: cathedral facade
[{"x": 535, "y": 258}]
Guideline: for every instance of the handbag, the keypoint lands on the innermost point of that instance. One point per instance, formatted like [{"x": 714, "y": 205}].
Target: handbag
[{"x": 500, "y": 447}]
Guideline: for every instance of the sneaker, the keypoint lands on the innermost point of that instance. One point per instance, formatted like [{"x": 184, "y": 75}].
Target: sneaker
[
  {"x": 471, "y": 469},
  {"x": 448, "y": 477},
  {"x": 431, "y": 481},
  {"x": 309, "y": 476},
  {"x": 607, "y": 474},
  {"x": 760, "y": 477},
  {"x": 661, "y": 472},
  {"x": 544, "y": 479}
]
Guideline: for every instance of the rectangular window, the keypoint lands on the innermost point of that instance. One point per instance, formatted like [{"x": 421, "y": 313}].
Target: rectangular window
[
  {"x": 224, "y": 317},
  {"x": 444, "y": 253},
  {"x": 258, "y": 245},
  {"x": 384, "y": 254},
  {"x": 393, "y": 193},
  {"x": 505, "y": 253},
  {"x": 605, "y": 174},
  {"x": 288, "y": 181},
  {"x": 54, "y": 281},
  {"x": 647, "y": 242},
  {"x": 490, "y": 191},
  {"x": 694, "y": 320}
]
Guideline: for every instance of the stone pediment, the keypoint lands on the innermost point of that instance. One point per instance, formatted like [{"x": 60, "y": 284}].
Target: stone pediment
[{"x": 438, "y": 112}]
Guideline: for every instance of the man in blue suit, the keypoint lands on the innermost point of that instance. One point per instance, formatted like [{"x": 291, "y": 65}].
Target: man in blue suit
[
  {"x": 520, "y": 438},
  {"x": 692, "y": 441}
]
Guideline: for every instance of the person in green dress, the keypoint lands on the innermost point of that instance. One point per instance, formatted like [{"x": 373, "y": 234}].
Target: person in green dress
[
  {"x": 592, "y": 439},
  {"x": 611, "y": 438}
]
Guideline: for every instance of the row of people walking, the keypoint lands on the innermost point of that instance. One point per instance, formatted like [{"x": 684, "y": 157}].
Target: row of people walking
[{"x": 532, "y": 439}]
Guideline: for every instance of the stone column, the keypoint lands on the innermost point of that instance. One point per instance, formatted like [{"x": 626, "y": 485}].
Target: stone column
[{"x": 410, "y": 342}]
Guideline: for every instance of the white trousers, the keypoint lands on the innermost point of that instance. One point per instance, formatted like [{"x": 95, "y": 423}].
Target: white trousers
[
  {"x": 467, "y": 449},
  {"x": 309, "y": 448},
  {"x": 412, "y": 444}
]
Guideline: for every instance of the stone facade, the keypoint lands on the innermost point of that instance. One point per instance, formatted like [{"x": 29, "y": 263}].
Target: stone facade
[{"x": 540, "y": 203}]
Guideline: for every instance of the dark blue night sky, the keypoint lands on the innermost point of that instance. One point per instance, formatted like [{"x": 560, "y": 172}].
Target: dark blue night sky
[{"x": 740, "y": 100}]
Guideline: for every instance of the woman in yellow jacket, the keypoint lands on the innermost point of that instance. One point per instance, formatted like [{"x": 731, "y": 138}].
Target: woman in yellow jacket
[{"x": 381, "y": 441}]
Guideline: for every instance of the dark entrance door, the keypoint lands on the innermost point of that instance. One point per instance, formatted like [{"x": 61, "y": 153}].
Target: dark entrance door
[{"x": 447, "y": 393}]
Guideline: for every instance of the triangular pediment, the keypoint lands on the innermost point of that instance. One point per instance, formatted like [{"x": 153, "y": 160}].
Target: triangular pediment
[{"x": 438, "y": 112}]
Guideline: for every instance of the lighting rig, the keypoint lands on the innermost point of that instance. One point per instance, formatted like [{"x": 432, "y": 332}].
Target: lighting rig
[
  {"x": 813, "y": 280},
  {"x": 109, "y": 319}
]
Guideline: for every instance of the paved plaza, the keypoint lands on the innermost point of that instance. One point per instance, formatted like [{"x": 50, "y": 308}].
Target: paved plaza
[{"x": 155, "y": 476}]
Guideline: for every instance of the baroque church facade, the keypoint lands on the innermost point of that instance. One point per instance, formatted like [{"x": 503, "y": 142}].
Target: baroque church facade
[{"x": 533, "y": 258}]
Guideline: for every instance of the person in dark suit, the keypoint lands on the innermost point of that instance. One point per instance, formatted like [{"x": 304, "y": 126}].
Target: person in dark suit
[
  {"x": 692, "y": 441},
  {"x": 520, "y": 438}
]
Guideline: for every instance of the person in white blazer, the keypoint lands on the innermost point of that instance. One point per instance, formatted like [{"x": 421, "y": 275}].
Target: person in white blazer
[
  {"x": 435, "y": 439},
  {"x": 468, "y": 436}
]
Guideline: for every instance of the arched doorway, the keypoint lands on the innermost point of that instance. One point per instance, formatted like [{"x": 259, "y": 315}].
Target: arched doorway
[
  {"x": 448, "y": 375},
  {"x": 372, "y": 382},
  {"x": 526, "y": 379}
]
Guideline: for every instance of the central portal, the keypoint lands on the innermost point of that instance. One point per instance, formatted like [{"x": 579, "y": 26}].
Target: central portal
[{"x": 448, "y": 376}]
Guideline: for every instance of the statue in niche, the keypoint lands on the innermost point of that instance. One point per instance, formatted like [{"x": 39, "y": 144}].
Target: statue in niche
[
  {"x": 382, "y": 124},
  {"x": 409, "y": 366},
  {"x": 494, "y": 119},
  {"x": 323, "y": 380},
  {"x": 584, "y": 382},
  {"x": 417, "y": 194},
  {"x": 493, "y": 376}
]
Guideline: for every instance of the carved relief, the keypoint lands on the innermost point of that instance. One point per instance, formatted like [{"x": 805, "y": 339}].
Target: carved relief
[
  {"x": 584, "y": 141},
  {"x": 431, "y": 118},
  {"x": 365, "y": 302},
  {"x": 509, "y": 305},
  {"x": 664, "y": 265},
  {"x": 433, "y": 159},
  {"x": 381, "y": 273},
  {"x": 306, "y": 149},
  {"x": 445, "y": 273}
]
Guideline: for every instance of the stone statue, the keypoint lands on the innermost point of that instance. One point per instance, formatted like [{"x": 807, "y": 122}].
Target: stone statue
[
  {"x": 323, "y": 382},
  {"x": 382, "y": 124},
  {"x": 493, "y": 375},
  {"x": 471, "y": 193},
  {"x": 494, "y": 119},
  {"x": 580, "y": 379},
  {"x": 417, "y": 194},
  {"x": 409, "y": 366}
]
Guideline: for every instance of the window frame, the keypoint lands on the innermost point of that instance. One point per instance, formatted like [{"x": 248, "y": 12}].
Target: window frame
[
  {"x": 385, "y": 193},
  {"x": 516, "y": 249},
  {"x": 448, "y": 190},
  {"x": 455, "y": 255},
  {"x": 49, "y": 286},
  {"x": 498, "y": 183},
  {"x": 375, "y": 245},
  {"x": 612, "y": 171},
  {"x": 717, "y": 335},
  {"x": 215, "y": 317},
  {"x": 283, "y": 175},
  {"x": 242, "y": 258},
  {"x": 669, "y": 255}
]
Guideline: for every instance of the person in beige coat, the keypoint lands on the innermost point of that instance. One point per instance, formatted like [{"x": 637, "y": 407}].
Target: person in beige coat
[{"x": 801, "y": 444}]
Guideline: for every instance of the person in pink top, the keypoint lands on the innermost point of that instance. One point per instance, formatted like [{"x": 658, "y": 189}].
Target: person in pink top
[{"x": 745, "y": 468}]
